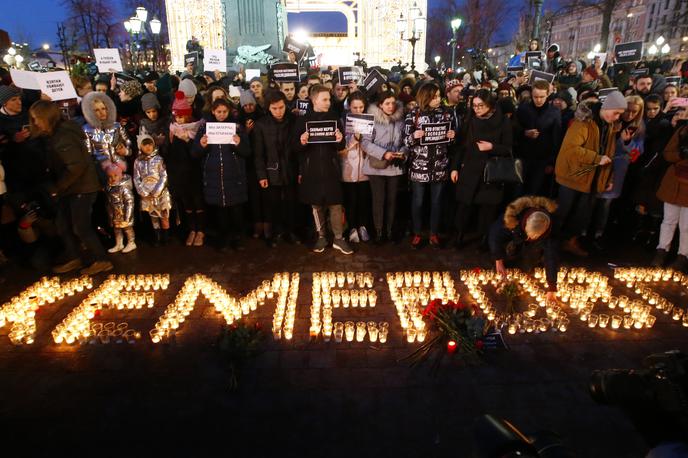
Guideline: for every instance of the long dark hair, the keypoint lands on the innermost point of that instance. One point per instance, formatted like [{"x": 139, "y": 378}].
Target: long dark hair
[
  {"x": 46, "y": 111},
  {"x": 425, "y": 95}
]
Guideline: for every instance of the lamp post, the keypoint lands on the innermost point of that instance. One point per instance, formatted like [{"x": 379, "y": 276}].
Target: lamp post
[
  {"x": 437, "y": 62},
  {"x": 536, "y": 25},
  {"x": 155, "y": 26},
  {"x": 417, "y": 25},
  {"x": 455, "y": 24},
  {"x": 137, "y": 25}
]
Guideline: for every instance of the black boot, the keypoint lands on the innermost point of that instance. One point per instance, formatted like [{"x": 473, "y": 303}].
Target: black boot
[
  {"x": 660, "y": 258},
  {"x": 680, "y": 263}
]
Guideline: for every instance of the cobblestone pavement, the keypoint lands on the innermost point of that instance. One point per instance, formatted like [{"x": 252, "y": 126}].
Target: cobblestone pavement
[{"x": 304, "y": 398}]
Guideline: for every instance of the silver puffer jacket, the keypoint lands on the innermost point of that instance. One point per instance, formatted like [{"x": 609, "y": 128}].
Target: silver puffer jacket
[
  {"x": 103, "y": 137},
  {"x": 150, "y": 180},
  {"x": 121, "y": 203}
]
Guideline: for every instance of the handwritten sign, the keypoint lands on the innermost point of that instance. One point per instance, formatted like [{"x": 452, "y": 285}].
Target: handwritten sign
[
  {"x": 435, "y": 133},
  {"x": 56, "y": 85},
  {"x": 220, "y": 133},
  {"x": 303, "y": 106},
  {"x": 628, "y": 52},
  {"x": 285, "y": 73},
  {"x": 214, "y": 59},
  {"x": 108, "y": 60},
  {"x": 360, "y": 124},
  {"x": 350, "y": 75},
  {"x": 321, "y": 131}
]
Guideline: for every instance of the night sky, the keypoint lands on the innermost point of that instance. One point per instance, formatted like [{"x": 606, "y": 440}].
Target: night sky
[{"x": 36, "y": 20}]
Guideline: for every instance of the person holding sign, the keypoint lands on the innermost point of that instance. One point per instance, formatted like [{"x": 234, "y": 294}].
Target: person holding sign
[
  {"x": 384, "y": 165},
  {"x": 224, "y": 177},
  {"x": 488, "y": 134},
  {"x": 428, "y": 133},
  {"x": 320, "y": 172}
]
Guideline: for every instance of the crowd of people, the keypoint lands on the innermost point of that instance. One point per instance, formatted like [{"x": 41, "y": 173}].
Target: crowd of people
[{"x": 132, "y": 156}]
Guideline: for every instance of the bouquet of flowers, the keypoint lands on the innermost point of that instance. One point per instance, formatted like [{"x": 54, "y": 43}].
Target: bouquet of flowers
[
  {"x": 239, "y": 342},
  {"x": 509, "y": 290},
  {"x": 458, "y": 327}
]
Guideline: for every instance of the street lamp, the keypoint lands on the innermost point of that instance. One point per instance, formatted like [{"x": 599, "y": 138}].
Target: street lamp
[
  {"x": 536, "y": 26},
  {"x": 437, "y": 61},
  {"x": 597, "y": 48},
  {"x": 141, "y": 14},
  {"x": 46, "y": 46},
  {"x": 653, "y": 50},
  {"x": 415, "y": 16},
  {"x": 666, "y": 48},
  {"x": 660, "y": 40},
  {"x": 455, "y": 24}
]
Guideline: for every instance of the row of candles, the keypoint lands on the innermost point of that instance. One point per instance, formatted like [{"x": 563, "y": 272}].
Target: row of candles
[
  {"x": 554, "y": 317},
  {"x": 285, "y": 311},
  {"x": 76, "y": 325},
  {"x": 106, "y": 333},
  {"x": 349, "y": 330},
  {"x": 325, "y": 297},
  {"x": 21, "y": 309}
]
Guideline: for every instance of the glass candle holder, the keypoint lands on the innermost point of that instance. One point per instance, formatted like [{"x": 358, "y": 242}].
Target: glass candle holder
[
  {"x": 349, "y": 330},
  {"x": 372, "y": 331},
  {"x": 360, "y": 331},
  {"x": 592, "y": 320},
  {"x": 338, "y": 331},
  {"x": 616, "y": 321},
  {"x": 346, "y": 298},
  {"x": 627, "y": 321},
  {"x": 354, "y": 298}
]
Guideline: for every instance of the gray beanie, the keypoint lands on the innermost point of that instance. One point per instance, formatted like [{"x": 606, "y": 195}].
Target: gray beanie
[
  {"x": 188, "y": 87},
  {"x": 246, "y": 98},
  {"x": 149, "y": 101},
  {"x": 7, "y": 92},
  {"x": 615, "y": 101}
]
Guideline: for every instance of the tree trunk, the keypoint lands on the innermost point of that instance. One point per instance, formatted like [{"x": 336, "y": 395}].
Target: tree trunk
[{"x": 607, "y": 10}]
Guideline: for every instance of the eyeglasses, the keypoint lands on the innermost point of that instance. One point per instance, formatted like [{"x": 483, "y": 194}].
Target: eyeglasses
[{"x": 478, "y": 105}]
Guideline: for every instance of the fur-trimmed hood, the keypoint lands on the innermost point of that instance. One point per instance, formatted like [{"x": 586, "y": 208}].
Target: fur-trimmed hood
[
  {"x": 585, "y": 112},
  {"x": 90, "y": 115},
  {"x": 382, "y": 118},
  {"x": 518, "y": 206}
]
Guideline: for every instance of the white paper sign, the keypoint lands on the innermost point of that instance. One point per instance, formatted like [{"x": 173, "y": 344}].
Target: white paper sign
[
  {"x": 108, "y": 60},
  {"x": 252, "y": 73},
  {"x": 24, "y": 79},
  {"x": 214, "y": 59},
  {"x": 220, "y": 133},
  {"x": 56, "y": 85}
]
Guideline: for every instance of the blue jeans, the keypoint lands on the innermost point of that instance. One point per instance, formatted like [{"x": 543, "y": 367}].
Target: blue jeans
[
  {"x": 418, "y": 194},
  {"x": 73, "y": 224}
]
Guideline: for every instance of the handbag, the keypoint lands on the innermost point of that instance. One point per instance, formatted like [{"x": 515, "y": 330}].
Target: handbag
[{"x": 503, "y": 170}]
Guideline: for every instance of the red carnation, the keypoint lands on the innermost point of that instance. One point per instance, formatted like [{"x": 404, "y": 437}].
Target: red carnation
[
  {"x": 479, "y": 344},
  {"x": 477, "y": 270}
]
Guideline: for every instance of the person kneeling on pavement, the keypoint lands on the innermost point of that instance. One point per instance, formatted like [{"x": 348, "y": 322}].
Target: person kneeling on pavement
[{"x": 526, "y": 233}]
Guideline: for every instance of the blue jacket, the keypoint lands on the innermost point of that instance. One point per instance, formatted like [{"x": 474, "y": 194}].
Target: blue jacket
[{"x": 224, "y": 171}]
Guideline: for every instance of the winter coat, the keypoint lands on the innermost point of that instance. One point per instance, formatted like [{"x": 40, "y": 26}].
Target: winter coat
[
  {"x": 581, "y": 147},
  {"x": 353, "y": 159},
  {"x": 567, "y": 81},
  {"x": 24, "y": 162},
  {"x": 388, "y": 135},
  {"x": 224, "y": 170},
  {"x": 150, "y": 180},
  {"x": 120, "y": 206},
  {"x": 672, "y": 191},
  {"x": 427, "y": 163},
  {"x": 273, "y": 157},
  {"x": 547, "y": 120},
  {"x": 652, "y": 165},
  {"x": 319, "y": 164},
  {"x": 625, "y": 155},
  {"x": 183, "y": 170},
  {"x": 159, "y": 130},
  {"x": 71, "y": 167},
  {"x": 470, "y": 161},
  {"x": 103, "y": 137},
  {"x": 507, "y": 236}
]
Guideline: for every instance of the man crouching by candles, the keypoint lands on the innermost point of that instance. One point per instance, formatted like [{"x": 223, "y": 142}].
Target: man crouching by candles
[{"x": 526, "y": 233}]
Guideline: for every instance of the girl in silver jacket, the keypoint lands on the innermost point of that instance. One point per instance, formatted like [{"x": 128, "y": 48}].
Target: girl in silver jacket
[
  {"x": 109, "y": 144},
  {"x": 150, "y": 180}
]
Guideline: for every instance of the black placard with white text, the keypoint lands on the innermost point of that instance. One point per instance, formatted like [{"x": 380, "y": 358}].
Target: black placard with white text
[
  {"x": 285, "y": 73},
  {"x": 321, "y": 131},
  {"x": 191, "y": 58},
  {"x": 350, "y": 75},
  {"x": 373, "y": 82},
  {"x": 538, "y": 75},
  {"x": 291, "y": 45},
  {"x": 628, "y": 52},
  {"x": 435, "y": 133},
  {"x": 303, "y": 106}
]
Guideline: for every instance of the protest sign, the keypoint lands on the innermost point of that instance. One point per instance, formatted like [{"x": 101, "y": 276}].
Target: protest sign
[
  {"x": 605, "y": 92},
  {"x": 56, "y": 85},
  {"x": 360, "y": 124},
  {"x": 108, "y": 60},
  {"x": 350, "y": 75},
  {"x": 515, "y": 69},
  {"x": 191, "y": 58},
  {"x": 220, "y": 133},
  {"x": 291, "y": 45},
  {"x": 675, "y": 80},
  {"x": 321, "y": 131},
  {"x": 636, "y": 72},
  {"x": 214, "y": 59},
  {"x": 373, "y": 81},
  {"x": 24, "y": 79},
  {"x": 628, "y": 52},
  {"x": 285, "y": 73},
  {"x": 303, "y": 106},
  {"x": 252, "y": 73},
  {"x": 536, "y": 75},
  {"x": 534, "y": 60},
  {"x": 435, "y": 133}
]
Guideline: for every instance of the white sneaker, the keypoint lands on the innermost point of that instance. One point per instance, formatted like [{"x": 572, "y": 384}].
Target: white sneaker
[
  {"x": 353, "y": 236},
  {"x": 116, "y": 249},
  {"x": 363, "y": 232},
  {"x": 131, "y": 246}
]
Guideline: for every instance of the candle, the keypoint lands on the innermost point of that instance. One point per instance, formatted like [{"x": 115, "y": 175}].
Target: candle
[{"x": 451, "y": 347}]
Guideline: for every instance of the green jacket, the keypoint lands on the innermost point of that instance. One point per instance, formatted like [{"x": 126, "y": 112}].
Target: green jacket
[{"x": 71, "y": 167}]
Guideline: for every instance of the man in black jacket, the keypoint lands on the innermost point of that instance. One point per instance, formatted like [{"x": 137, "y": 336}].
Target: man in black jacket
[
  {"x": 276, "y": 168},
  {"x": 526, "y": 231},
  {"x": 538, "y": 140}
]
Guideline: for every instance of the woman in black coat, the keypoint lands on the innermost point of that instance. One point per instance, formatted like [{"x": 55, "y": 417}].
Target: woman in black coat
[{"x": 487, "y": 134}]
